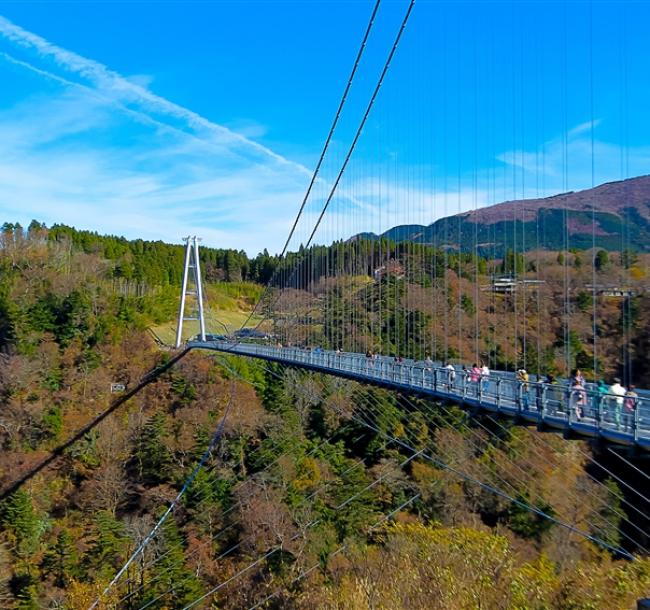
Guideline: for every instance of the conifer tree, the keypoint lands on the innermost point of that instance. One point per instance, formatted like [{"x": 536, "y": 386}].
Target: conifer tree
[
  {"x": 152, "y": 456},
  {"x": 61, "y": 560},
  {"x": 20, "y": 518}
]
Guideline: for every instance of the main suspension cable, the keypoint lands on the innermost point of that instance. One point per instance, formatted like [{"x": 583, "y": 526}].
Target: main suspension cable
[
  {"x": 324, "y": 150},
  {"x": 351, "y": 147}
]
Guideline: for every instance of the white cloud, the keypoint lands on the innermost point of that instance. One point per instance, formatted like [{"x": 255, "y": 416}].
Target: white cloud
[
  {"x": 248, "y": 128},
  {"x": 565, "y": 163},
  {"x": 101, "y": 151},
  {"x": 379, "y": 209},
  {"x": 585, "y": 127},
  {"x": 148, "y": 189}
]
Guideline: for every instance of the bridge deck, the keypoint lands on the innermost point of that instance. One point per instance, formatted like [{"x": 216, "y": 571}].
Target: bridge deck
[{"x": 582, "y": 413}]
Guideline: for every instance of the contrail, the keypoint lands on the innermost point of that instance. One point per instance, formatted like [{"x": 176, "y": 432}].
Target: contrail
[{"x": 122, "y": 90}]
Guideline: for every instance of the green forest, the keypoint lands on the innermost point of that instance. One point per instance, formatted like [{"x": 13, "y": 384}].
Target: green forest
[
  {"x": 586, "y": 309},
  {"x": 321, "y": 493}
]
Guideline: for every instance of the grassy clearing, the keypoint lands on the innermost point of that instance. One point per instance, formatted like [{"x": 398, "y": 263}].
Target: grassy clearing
[
  {"x": 235, "y": 296},
  {"x": 227, "y": 305}
]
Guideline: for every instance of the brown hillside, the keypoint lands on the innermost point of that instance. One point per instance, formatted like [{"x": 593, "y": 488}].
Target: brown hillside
[{"x": 610, "y": 197}]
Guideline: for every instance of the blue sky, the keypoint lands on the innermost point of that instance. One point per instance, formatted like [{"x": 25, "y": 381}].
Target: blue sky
[{"x": 159, "y": 119}]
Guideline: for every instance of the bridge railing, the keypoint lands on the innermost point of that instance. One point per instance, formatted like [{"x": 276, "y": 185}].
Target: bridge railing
[{"x": 557, "y": 405}]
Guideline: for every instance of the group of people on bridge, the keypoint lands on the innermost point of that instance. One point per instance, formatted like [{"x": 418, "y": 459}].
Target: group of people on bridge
[{"x": 611, "y": 403}]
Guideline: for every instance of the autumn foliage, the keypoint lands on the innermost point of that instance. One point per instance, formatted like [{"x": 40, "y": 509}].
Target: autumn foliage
[{"x": 321, "y": 494}]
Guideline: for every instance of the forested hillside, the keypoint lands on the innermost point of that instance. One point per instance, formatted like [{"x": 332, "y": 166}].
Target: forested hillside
[
  {"x": 315, "y": 495},
  {"x": 144, "y": 263},
  {"x": 546, "y": 311},
  {"x": 394, "y": 298}
]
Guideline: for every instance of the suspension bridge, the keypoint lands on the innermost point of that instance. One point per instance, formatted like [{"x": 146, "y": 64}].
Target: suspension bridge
[
  {"x": 364, "y": 289},
  {"x": 585, "y": 413},
  {"x": 518, "y": 282}
]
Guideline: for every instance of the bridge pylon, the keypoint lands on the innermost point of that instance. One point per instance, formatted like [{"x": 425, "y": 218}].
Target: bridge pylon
[{"x": 192, "y": 268}]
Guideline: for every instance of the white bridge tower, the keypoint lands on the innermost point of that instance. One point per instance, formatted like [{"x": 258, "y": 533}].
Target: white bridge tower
[{"x": 192, "y": 267}]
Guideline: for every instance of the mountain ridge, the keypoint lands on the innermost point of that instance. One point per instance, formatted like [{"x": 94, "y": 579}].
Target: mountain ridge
[{"x": 618, "y": 214}]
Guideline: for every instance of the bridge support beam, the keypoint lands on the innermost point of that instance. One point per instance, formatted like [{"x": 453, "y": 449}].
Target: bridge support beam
[{"x": 192, "y": 267}]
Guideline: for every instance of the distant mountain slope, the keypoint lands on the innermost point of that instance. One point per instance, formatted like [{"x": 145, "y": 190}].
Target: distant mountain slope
[{"x": 618, "y": 211}]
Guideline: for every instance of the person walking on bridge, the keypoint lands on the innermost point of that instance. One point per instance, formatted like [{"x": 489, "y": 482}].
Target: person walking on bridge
[
  {"x": 475, "y": 377},
  {"x": 629, "y": 408},
  {"x": 553, "y": 392},
  {"x": 618, "y": 392},
  {"x": 578, "y": 396},
  {"x": 600, "y": 399},
  {"x": 369, "y": 360},
  {"x": 485, "y": 377},
  {"x": 451, "y": 375},
  {"x": 522, "y": 378},
  {"x": 540, "y": 390}
]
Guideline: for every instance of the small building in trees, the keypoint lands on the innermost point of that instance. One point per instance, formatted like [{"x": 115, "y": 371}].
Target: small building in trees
[
  {"x": 509, "y": 285},
  {"x": 611, "y": 290},
  {"x": 392, "y": 267}
]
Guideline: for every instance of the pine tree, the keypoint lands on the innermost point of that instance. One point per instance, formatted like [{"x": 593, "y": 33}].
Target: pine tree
[
  {"x": 232, "y": 266},
  {"x": 61, "y": 560},
  {"x": 177, "y": 584},
  {"x": 18, "y": 516},
  {"x": 152, "y": 457},
  {"x": 601, "y": 260},
  {"x": 7, "y": 325},
  {"x": 25, "y": 591},
  {"x": 109, "y": 541}
]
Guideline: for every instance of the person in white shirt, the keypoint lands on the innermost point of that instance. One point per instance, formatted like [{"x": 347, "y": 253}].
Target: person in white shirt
[
  {"x": 618, "y": 392},
  {"x": 451, "y": 374},
  {"x": 485, "y": 376}
]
